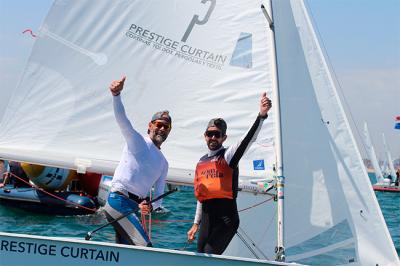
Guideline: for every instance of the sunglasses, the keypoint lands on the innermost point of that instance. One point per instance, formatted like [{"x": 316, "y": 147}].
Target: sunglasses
[
  {"x": 160, "y": 125},
  {"x": 216, "y": 134}
]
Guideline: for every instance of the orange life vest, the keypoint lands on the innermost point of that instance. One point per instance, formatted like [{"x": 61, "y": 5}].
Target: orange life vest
[{"x": 213, "y": 178}]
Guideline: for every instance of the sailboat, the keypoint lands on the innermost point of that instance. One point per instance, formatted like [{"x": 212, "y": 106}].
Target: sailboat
[
  {"x": 382, "y": 182},
  {"x": 199, "y": 59},
  {"x": 380, "y": 179},
  {"x": 390, "y": 186},
  {"x": 391, "y": 170}
]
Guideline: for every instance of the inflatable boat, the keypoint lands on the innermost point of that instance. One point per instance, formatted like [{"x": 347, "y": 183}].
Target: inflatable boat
[{"x": 55, "y": 203}]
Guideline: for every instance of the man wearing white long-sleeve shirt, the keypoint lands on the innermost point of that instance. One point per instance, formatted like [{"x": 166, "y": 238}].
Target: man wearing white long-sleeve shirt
[{"x": 142, "y": 165}]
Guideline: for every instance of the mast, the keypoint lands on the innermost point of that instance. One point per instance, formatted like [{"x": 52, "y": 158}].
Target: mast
[{"x": 280, "y": 180}]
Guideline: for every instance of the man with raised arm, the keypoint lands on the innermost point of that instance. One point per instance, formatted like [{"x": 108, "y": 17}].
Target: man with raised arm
[
  {"x": 142, "y": 165},
  {"x": 216, "y": 184}
]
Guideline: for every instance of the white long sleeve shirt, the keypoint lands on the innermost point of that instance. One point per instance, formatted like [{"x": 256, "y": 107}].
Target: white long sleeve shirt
[{"x": 142, "y": 164}]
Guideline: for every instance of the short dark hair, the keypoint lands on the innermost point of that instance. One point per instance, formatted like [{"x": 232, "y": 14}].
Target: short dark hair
[{"x": 218, "y": 123}]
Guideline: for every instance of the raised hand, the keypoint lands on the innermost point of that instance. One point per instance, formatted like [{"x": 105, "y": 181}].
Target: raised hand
[
  {"x": 117, "y": 86},
  {"x": 265, "y": 105}
]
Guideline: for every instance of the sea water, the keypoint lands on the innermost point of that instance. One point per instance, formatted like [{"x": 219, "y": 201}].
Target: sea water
[{"x": 168, "y": 230}]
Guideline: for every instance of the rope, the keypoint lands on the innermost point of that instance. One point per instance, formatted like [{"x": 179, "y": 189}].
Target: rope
[
  {"x": 150, "y": 218},
  {"x": 255, "y": 205},
  {"x": 185, "y": 246},
  {"x": 3, "y": 177},
  {"x": 247, "y": 245},
  {"x": 50, "y": 194},
  {"x": 189, "y": 221},
  {"x": 252, "y": 242},
  {"x": 172, "y": 221},
  {"x": 143, "y": 218}
]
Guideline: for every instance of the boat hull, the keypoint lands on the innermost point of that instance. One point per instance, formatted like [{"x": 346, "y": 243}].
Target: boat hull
[
  {"x": 37, "y": 201},
  {"x": 384, "y": 188},
  {"x": 18, "y": 249}
]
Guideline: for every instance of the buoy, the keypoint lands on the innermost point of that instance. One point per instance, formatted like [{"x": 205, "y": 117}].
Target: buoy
[{"x": 49, "y": 178}]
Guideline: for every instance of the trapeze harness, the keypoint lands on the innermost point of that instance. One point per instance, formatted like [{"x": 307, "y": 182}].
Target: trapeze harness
[
  {"x": 142, "y": 165},
  {"x": 216, "y": 186}
]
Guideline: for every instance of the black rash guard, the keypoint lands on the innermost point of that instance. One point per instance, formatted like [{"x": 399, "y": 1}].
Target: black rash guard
[{"x": 219, "y": 217}]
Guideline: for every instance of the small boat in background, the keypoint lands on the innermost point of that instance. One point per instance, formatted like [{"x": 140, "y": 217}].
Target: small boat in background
[
  {"x": 386, "y": 188},
  {"x": 57, "y": 203},
  {"x": 383, "y": 182},
  {"x": 49, "y": 190}
]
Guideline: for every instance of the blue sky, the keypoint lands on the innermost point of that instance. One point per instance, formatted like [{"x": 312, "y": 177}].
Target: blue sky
[{"x": 361, "y": 37}]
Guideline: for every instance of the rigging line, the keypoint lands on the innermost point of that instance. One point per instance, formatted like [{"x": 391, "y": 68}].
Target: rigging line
[
  {"x": 269, "y": 225},
  {"x": 185, "y": 246},
  {"x": 252, "y": 242},
  {"x": 50, "y": 194},
  {"x": 143, "y": 218},
  {"x": 255, "y": 205},
  {"x": 247, "y": 245},
  {"x": 172, "y": 221},
  {"x": 150, "y": 217},
  {"x": 328, "y": 59}
]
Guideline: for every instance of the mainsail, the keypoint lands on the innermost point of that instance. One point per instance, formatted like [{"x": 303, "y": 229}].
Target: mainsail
[
  {"x": 202, "y": 59},
  {"x": 62, "y": 114}
]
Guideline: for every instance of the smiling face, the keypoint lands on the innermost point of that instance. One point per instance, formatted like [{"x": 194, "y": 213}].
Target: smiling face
[
  {"x": 158, "y": 131},
  {"x": 214, "y": 138}
]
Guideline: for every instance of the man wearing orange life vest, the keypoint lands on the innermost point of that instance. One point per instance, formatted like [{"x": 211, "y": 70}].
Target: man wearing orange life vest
[{"x": 216, "y": 184}]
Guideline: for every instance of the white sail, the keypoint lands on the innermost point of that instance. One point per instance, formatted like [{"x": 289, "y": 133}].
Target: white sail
[
  {"x": 202, "y": 59},
  {"x": 389, "y": 158},
  {"x": 372, "y": 155},
  {"x": 332, "y": 216},
  {"x": 328, "y": 192},
  {"x": 62, "y": 110}
]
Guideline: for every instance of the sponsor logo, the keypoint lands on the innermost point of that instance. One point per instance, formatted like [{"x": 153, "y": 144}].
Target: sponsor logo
[
  {"x": 258, "y": 165},
  {"x": 212, "y": 173},
  {"x": 180, "y": 49},
  {"x": 175, "y": 48},
  {"x": 61, "y": 251},
  {"x": 196, "y": 21}
]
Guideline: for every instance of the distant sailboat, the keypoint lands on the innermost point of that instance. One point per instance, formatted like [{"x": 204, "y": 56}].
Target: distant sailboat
[
  {"x": 389, "y": 159},
  {"x": 200, "y": 59},
  {"x": 383, "y": 183},
  {"x": 372, "y": 156}
]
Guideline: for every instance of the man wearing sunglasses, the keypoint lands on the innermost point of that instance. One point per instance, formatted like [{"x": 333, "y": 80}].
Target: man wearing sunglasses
[
  {"x": 216, "y": 184},
  {"x": 142, "y": 165}
]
